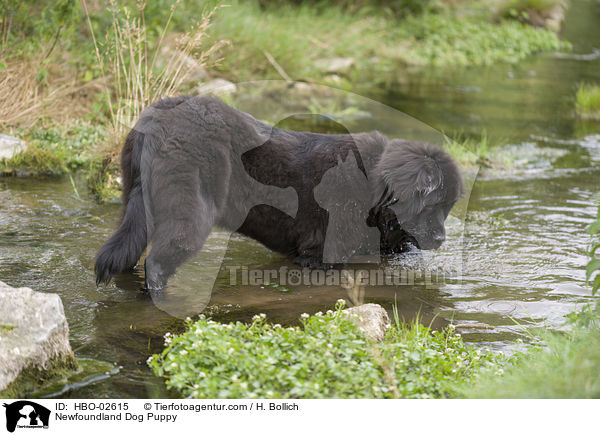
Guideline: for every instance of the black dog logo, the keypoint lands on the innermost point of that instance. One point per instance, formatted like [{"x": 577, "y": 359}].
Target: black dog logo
[{"x": 26, "y": 414}]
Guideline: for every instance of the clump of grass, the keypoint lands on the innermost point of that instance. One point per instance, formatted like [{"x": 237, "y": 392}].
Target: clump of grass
[
  {"x": 568, "y": 366},
  {"x": 468, "y": 151},
  {"x": 587, "y": 101},
  {"x": 6, "y": 328},
  {"x": 130, "y": 62},
  {"x": 327, "y": 357},
  {"x": 471, "y": 151}
]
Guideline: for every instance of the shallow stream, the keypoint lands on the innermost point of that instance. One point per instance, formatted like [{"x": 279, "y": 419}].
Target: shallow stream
[{"x": 517, "y": 245}]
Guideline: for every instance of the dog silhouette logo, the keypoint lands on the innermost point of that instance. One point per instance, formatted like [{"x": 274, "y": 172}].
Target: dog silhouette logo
[{"x": 26, "y": 414}]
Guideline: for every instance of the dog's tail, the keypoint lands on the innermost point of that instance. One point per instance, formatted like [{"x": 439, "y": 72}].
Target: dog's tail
[{"x": 122, "y": 251}]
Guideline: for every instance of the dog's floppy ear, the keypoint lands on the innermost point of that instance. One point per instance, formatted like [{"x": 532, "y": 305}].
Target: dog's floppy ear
[
  {"x": 410, "y": 170},
  {"x": 429, "y": 176}
]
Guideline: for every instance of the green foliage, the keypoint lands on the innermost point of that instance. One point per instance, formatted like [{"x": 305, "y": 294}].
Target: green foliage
[
  {"x": 440, "y": 40},
  {"x": 72, "y": 144},
  {"x": 327, "y": 357},
  {"x": 298, "y": 36},
  {"x": 58, "y": 16},
  {"x": 568, "y": 366},
  {"x": 14, "y": 12},
  {"x": 587, "y": 101},
  {"x": 430, "y": 363},
  {"x": 587, "y": 317},
  {"x": 55, "y": 150},
  {"x": 185, "y": 13},
  {"x": 592, "y": 273},
  {"x": 34, "y": 21}
]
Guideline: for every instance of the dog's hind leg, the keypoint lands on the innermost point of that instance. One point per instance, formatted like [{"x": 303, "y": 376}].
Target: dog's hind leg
[{"x": 183, "y": 216}]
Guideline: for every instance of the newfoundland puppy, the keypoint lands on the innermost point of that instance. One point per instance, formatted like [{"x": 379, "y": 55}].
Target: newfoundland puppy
[{"x": 191, "y": 163}]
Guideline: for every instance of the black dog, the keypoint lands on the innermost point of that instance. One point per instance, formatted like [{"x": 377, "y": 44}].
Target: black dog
[{"x": 193, "y": 162}]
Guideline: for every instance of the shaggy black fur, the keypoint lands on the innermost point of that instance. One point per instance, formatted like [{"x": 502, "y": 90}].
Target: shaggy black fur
[{"x": 193, "y": 162}]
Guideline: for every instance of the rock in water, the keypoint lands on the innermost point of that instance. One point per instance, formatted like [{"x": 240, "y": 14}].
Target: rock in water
[
  {"x": 373, "y": 320},
  {"x": 9, "y": 146},
  {"x": 34, "y": 337}
]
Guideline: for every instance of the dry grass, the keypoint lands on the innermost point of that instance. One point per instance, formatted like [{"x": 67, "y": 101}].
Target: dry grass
[{"x": 24, "y": 98}]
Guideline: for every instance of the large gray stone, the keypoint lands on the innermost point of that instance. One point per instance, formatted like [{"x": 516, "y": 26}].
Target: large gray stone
[
  {"x": 194, "y": 70},
  {"x": 372, "y": 320},
  {"x": 217, "y": 86},
  {"x": 10, "y": 145},
  {"x": 34, "y": 334},
  {"x": 339, "y": 65}
]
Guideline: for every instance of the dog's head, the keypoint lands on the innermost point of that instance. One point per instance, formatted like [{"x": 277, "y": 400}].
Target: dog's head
[{"x": 417, "y": 185}]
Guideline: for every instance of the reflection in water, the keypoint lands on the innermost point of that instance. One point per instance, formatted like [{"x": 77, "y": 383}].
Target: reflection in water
[{"x": 520, "y": 254}]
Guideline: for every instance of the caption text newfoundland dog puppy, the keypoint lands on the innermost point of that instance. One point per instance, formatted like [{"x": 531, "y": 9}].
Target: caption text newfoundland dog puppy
[{"x": 191, "y": 163}]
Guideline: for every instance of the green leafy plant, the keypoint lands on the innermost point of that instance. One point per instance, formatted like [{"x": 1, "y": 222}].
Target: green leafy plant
[
  {"x": 60, "y": 18},
  {"x": 436, "y": 39},
  {"x": 327, "y": 356},
  {"x": 41, "y": 23},
  {"x": 592, "y": 273}
]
